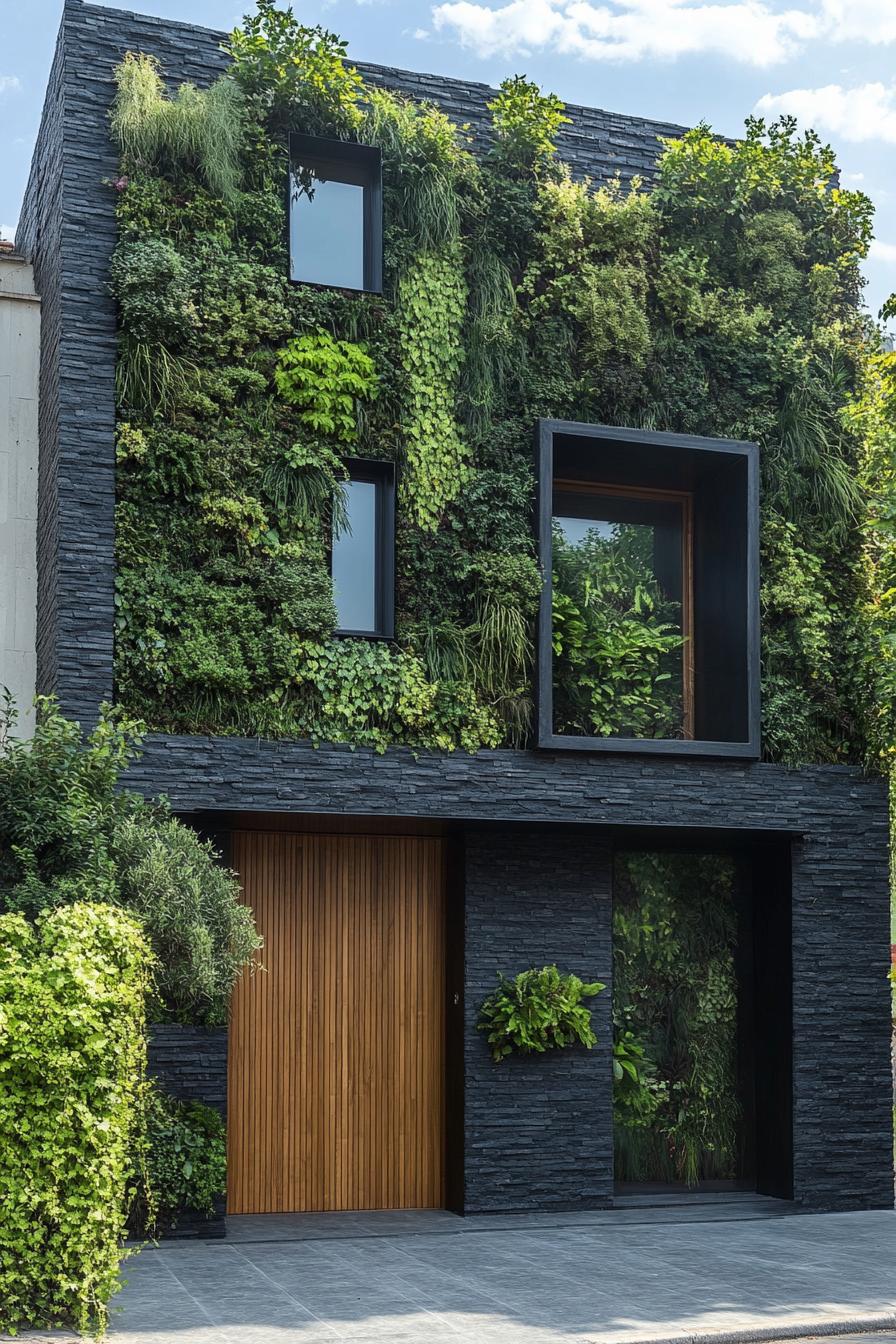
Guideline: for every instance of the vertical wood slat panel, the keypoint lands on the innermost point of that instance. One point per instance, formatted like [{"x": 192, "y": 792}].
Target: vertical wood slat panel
[{"x": 336, "y": 1068}]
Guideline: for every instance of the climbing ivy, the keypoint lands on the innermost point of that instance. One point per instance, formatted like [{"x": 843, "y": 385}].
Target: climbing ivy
[
  {"x": 431, "y": 298},
  {"x": 721, "y": 301}
]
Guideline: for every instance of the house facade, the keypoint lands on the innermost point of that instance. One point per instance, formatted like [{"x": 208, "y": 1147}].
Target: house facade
[{"x": 394, "y": 881}]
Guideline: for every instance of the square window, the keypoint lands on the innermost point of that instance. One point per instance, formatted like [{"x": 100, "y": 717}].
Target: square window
[
  {"x": 335, "y": 214},
  {"x": 649, "y": 622},
  {"x": 362, "y": 552}
]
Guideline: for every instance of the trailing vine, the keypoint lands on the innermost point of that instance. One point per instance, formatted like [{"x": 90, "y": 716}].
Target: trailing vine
[{"x": 431, "y": 298}]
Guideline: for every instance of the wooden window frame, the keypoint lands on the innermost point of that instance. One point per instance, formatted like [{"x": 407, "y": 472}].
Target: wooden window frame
[
  {"x": 381, "y": 474},
  {"x": 685, "y": 499},
  {"x": 343, "y": 161}
]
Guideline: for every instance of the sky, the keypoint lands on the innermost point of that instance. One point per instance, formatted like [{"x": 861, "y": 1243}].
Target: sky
[{"x": 829, "y": 62}]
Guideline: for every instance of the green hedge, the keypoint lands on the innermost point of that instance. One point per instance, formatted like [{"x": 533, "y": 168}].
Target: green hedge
[{"x": 72, "y": 1056}]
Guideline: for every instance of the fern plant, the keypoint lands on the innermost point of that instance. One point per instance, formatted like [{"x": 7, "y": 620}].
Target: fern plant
[{"x": 538, "y": 1011}]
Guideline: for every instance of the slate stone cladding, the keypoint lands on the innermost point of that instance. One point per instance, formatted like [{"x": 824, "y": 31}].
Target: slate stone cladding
[
  {"x": 538, "y": 1129},
  {"x": 840, "y": 895},
  {"x": 190, "y": 1062},
  {"x": 837, "y": 818}
]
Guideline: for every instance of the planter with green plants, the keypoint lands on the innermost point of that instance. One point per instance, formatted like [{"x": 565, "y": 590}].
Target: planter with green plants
[{"x": 536, "y": 1011}]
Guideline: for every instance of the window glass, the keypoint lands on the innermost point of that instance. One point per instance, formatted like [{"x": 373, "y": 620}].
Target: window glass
[
  {"x": 355, "y": 576},
  {"x": 620, "y": 614},
  {"x": 327, "y": 233}
]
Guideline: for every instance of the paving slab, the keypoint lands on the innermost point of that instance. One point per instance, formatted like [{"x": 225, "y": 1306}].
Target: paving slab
[{"x": 407, "y": 1280}]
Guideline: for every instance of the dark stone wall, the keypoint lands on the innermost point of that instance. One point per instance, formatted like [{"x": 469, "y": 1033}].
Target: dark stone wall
[
  {"x": 835, "y": 817},
  {"x": 190, "y": 1062},
  {"x": 538, "y": 1129},
  {"x": 842, "y": 1092},
  {"x": 40, "y": 239}
]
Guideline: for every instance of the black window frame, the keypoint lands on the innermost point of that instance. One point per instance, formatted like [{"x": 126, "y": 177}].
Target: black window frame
[
  {"x": 382, "y": 475},
  {"x": 343, "y": 161},
  {"x": 677, "y": 450}
]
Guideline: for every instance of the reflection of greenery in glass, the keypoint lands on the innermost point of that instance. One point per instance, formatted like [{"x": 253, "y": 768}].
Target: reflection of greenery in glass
[
  {"x": 616, "y": 638},
  {"x": 675, "y": 1103}
]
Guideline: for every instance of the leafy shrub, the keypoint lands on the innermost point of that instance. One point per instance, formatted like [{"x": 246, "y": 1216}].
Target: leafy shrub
[
  {"x": 637, "y": 1092},
  {"x": 189, "y": 907},
  {"x": 538, "y": 1011},
  {"x": 526, "y": 123},
  {"x": 300, "y": 589},
  {"x": 66, "y": 830},
  {"x": 180, "y": 1161},
  {"x": 325, "y": 379},
  {"x": 295, "y": 75},
  {"x": 72, "y": 1054},
  {"x": 152, "y": 285}
]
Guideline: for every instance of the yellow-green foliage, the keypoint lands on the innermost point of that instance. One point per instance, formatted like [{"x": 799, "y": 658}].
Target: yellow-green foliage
[
  {"x": 432, "y": 300},
  {"x": 526, "y": 123},
  {"x": 197, "y": 128},
  {"x": 72, "y": 1054},
  {"x": 874, "y": 415},
  {"x": 324, "y": 380}
]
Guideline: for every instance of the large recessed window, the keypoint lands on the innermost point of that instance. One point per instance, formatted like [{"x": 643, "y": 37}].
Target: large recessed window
[
  {"x": 648, "y": 633},
  {"x": 363, "y": 551},
  {"x": 335, "y": 215}
]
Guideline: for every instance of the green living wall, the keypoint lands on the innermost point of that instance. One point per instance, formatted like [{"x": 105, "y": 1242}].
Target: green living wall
[
  {"x": 721, "y": 302},
  {"x": 676, "y": 1111}
]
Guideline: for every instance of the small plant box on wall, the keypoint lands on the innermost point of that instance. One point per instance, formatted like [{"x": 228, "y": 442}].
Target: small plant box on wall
[{"x": 648, "y": 634}]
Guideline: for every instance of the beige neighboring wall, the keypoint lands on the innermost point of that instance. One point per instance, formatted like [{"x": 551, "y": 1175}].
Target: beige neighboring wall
[{"x": 19, "y": 369}]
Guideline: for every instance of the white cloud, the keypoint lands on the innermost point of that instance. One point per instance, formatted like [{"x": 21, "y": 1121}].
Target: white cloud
[
  {"x": 755, "y": 32},
  {"x": 10, "y": 83},
  {"x": 859, "y": 20},
  {"x": 867, "y": 112},
  {"x": 626, "y": 30},
  {"x": 8, "y": 232},
  {"x": 885, "y": 252}
]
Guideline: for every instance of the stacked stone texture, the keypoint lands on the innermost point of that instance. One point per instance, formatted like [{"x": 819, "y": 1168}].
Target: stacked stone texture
[
  {"x": 538, "y": 1129},
  {"x": 190, "y": 1063}
]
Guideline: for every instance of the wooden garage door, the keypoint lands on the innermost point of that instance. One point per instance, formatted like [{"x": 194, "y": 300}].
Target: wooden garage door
[{"x": 336, "y": 1070}]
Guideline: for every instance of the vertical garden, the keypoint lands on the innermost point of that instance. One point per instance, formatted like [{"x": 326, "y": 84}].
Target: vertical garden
[{"x": 722, "y": 301}]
